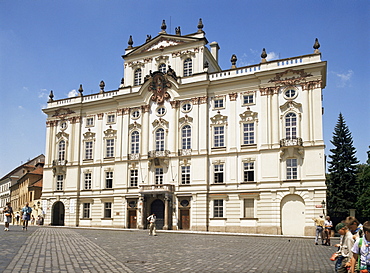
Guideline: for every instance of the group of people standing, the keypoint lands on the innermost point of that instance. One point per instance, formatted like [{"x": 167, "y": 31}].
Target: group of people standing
[
  {"x": 9, "y": 214},
  {"x": 323, "y": 229}
]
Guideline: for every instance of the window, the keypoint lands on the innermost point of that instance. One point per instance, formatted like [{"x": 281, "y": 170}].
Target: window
[
  {"x": 158, "y": 176},
  {"x": 137, "y": 77},
  {"x": 86, "y": 210},
  {"x": 88, "y": 149},
  {"x": 291, "y": 168},
  {"x": 185, "y": 175},
  {"x": 290, "y": 93},
  {"x": 188, "y": 67},
  {"x": 161, "y": 111},
  {"x": 291, "y": 126},
  {"x": 219, "y": 173},
  {"x": 218, "y": 208},
  {"x": 110, "y": 148},
  {"x": 159, "y": 140},
  {"x": 248, "y": 133},
  {"x": 111, "y": 118},
  {"x": 219, "y": 137},
  {"x": 248, "y": 99},
  {"x": 249, "y": 208},
  {"x": 135, "y": 114},
  {"x": 134, "y": 177},
  {"x": 87, "y": 185},
  {"x": 61, "y": 150},
  {"x": 109, "y": 180},
  {"x": 162, "y": 68},
  {"x": 186, "y": 137},
  {"x": 108, "y": 210},
  {"x": 248, "y": 171},
  {"x": 89, "y": 121},
  {"x": 186, "y": 107},
  {"x": 60, "y": 179},
  {"x": 135, "y": 142},
  {"x": 219, "y": 103}
]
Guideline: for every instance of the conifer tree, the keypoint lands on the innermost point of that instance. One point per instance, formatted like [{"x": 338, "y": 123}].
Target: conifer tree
[
  {"x": 363, "y": 203},
  {"x": 342, "y": 186}
]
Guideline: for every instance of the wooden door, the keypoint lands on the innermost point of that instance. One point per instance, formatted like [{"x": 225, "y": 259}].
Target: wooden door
[
  {"x": 185, "y": 218},
  {"x": 132, "y": 219}
]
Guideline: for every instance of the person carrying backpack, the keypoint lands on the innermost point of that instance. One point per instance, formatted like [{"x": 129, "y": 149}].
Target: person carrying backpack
[{"x": 361, "y": 251}]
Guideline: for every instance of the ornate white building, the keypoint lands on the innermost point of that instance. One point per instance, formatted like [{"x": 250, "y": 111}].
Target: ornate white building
[{"x": 236, "y": 150}]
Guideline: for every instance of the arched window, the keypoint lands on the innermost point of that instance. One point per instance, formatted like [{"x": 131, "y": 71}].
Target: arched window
[
  {"x": 159, "y": 140},
  {"x": 135, "y": 142},
  {"x": 291, "y": 126},
  {"x": 186, "y": 137},
  {"x": 61, "y": 150},
  {"x": 137, "y": 76},
  {"x": 188, "y": 67},
  {"x": 162, "y": 68}
]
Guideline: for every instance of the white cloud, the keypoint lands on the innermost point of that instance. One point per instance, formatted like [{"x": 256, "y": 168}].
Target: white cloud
[
  {"x": 72, "y": 93},
  {"x": 344, "y": 78},
  {"x": 25, "y": 88},
  {"x": 272, "y": 56},
  {"x": 20, "y": 107},
  {"x": 43, "y": 93}
]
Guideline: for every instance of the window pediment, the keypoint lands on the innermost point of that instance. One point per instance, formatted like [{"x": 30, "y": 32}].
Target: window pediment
[
  {"x": 160, "y": 122},
  {"x": 219, "y": 119},
  {"x": 62, "y": 135},
  {"x": 110, "y": 132},
  {"x": 185, "y": 119},
  {"x": 89, "y": 135},
  {"x": 134, "y": 126},
  {"x": 248, "y": 116},
  {"x": 290, "y": 105}
]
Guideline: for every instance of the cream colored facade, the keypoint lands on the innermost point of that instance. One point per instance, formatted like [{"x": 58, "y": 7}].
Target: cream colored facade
[{"x": 236, "y": 150}]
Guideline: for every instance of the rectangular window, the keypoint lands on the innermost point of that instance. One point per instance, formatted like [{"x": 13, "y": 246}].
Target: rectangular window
[
  {"x": 248, "y": 172},
  {"x": 111, "y": 118},
  {"x": 109, "y": 180},
  {"x": 60, "y": 179},
  {"x": 219, "y": 136},
  {"x": 219, "y": 173},
  {"x": 108, "y": 210},
  {"x": 86, "y": 210},
  {"x": 218, "y": 208},
  {"x": 291, "y": 170},
  {"x": 248, "y": 99},
  {"x": 219, "y": 103},
  {"x": 134, "y": 177},
  {"x": 249, "y": 208},
  {"x": 248, "y": 133},
  {"x": 158, "y": 176},
  {"x": 87, "y": 185},
  {"x": 88, "y": 149},
  {"x": 185, "y": 175},
  {"x": 110, "y": 148},
  {"x": 89, "y": 121}
]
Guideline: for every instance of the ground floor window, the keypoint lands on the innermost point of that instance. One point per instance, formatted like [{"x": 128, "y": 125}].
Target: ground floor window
[
  {"x": 108, "y": 210},
  {"x": 86, "y": 210},
  {"x": 218, "y": 208},
  {"x": 249, "y": 208}
]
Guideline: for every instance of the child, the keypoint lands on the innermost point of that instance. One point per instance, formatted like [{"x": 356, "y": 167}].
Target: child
[
  {"x": 345, "y": 246},
  {"x": 363, "y": 251}
]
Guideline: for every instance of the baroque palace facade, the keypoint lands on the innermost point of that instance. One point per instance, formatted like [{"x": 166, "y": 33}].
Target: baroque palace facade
[{"x": 236, "y": 150}]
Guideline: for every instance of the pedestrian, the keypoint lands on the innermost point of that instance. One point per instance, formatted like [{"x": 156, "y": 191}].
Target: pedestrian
[
  {"x": 8, "y": 215},
  {"x": 32, "y": 220},
  {"x": 26, "y": 215},
  {"x": 152, "y": 228},
  {"x": 355, "y": 227},
  {"x": 344, "y": 253},
  {"x": 17, "y": 217},
  {"x": 320, "y": 223},
  {"x": 361, "y": 251},
  {"x": 328, "y": 227}
]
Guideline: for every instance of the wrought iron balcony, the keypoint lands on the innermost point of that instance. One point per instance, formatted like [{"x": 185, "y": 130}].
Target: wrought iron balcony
[
  {"x": 133, "y": 156},
  {"x": 158, "y": 154},
  {"x": 157, "y": 188},
  {"x": 184, "y": 152},
  {"x": 59, "y": 162},
  {"x": 291, "y": 142}
]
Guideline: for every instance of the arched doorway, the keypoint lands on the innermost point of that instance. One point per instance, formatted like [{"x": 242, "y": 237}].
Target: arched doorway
[
  {"x": 157, "y": 207},
  {"x": 58, "y": 214},
  {"x": 292, "y": 215}
]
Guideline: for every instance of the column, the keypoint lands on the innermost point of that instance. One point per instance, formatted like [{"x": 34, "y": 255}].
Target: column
[{"x": 166, "y": 210}]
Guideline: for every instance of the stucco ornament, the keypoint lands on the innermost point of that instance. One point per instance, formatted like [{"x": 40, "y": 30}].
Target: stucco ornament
[{"x": 158, "y": 87}]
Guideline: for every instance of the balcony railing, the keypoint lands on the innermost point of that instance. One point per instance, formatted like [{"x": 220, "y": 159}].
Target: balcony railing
[
  {"x": 157, "y": 188},
  {"x": 158, "y": 154},
  {"x": 289, "y": 142},
  {"x": 133, "y": 156},
  {"x": 59, "y": 162},
  {"x": 183, "y": 152}
]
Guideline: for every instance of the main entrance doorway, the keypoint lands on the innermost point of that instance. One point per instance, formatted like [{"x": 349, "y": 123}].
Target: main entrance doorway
[
  {"x": 58, "y": 214},
  {"x": 184, "y": 219},
  {"x": 157, "y": 207}
]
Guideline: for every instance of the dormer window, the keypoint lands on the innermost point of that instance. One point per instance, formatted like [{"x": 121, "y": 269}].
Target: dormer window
[
  {"x": 137, "y": 77},
  {"x": 162, "y": 68},
  {"x": 188, "y": 67}
]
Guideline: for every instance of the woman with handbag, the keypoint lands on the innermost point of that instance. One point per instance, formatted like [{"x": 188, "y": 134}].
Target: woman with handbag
[{"x": 8, "y": 215}]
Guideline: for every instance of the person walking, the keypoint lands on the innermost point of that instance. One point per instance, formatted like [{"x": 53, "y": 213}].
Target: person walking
[
  {"x": 320, "y": 223},
  {"x": 17, "y": 217},
  {"x": 26, "y": 215},
  {"x": 152, "y": 228},
  {"x": 8, "y": 215},
  {"x": 328, "y": 227}
]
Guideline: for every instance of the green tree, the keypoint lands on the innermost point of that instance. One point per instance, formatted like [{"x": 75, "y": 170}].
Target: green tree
[
  {"x": 363, "y": 203},
  {"x": 342, "y": 186}
]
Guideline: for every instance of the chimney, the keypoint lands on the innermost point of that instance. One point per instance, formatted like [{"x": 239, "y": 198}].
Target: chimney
[{"x": 214, "y": 50}]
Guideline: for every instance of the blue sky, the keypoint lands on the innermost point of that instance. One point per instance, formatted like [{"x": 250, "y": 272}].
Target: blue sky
[{"x": 58, "y": 45}]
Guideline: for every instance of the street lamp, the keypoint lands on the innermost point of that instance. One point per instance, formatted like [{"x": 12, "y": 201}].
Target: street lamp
[{"x": 323, "y": 206}]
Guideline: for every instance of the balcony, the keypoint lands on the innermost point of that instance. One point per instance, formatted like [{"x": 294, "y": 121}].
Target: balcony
[
  {"x": 291, "y": 142},
  {"x": 133, "y": 156},
  {"x": 59, "y": 162},
  {"x": 184, "y": 152},
  {"x": 158, "y": 154},
  {"x": 157, "y": 189}
]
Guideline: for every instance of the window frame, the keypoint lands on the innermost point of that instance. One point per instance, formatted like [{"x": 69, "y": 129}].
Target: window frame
[
  {"x": 89, "y": 150},
  {"x": 62, "y": 150},
  {"x": 109, "y": 147},
  {"x": 249, "y": 212},
  {"x": 109, "y": 180},
  {"x": 248, "y": 99},
  {"x": 108, "y": 210},
  {"x": 59, "y": 182},
  {"x": 218, "y": 208},
  {"x": 134, "y": 178},
  {"x": 162, "y": 68},
  {"x": 88, "y": 123},
  {"x": 188, "y": 67},
  {"x": 291, "y": 169},
  {"x": 186, "y": 137},
  {"x": 160, "y": 139},
  {"x": 248, "y": 134},
  {"x": 87, "y": 181},
  {"x": 185, "y": 175},
  {"x": 86, "y": 211},
  {"x": 219, "y": 173},
  {"x": 137, "y": 77},
  {"x": 158, "y": 176},
  {"x": 248, "y": 169},
  {"x": 218, "y": 136},
  {"x": 111, "y": 118},
  {"x": 135, "y": 142},
  {"x": 219, "y": 103},
  {"x": 291, "y": 125}
]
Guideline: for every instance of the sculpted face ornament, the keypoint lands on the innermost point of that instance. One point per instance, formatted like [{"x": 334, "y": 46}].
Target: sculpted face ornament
[{"x": 158, "y": 87}]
